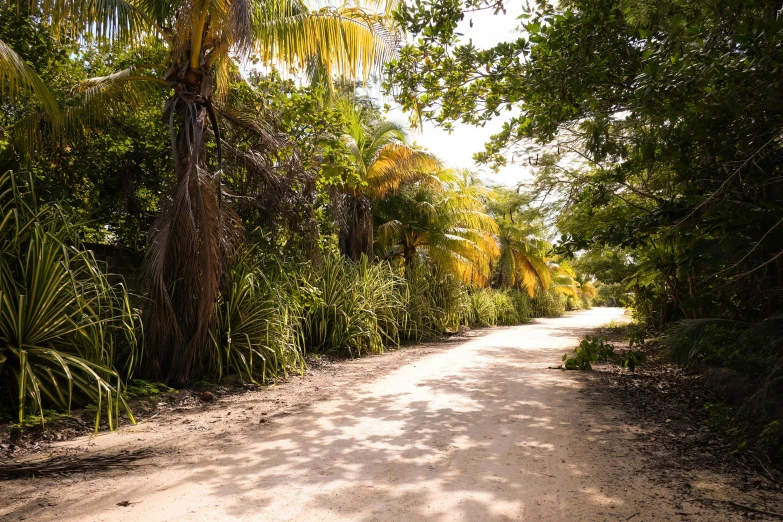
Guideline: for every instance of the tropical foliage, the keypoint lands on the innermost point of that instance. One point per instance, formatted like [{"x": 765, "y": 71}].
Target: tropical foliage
[
  {"x": 444, "y": 220},
  {"x": 226, "y": 159},
  {"x": 655, "y": 130},
  {"x": 382, "y": 161},
  {"x": 67, "y": 334}
]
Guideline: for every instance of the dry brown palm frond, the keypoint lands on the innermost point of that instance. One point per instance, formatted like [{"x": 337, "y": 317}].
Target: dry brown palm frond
[
  {"x": 268, "y": 176},
  {"x": 186, "y": 248}
]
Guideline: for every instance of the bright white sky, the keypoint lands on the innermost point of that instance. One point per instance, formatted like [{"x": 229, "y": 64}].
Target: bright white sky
[{"x": 457, "y": 149}]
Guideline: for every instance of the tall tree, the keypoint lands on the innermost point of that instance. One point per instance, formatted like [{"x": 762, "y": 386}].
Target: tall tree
[
  {"x": 523, "y": 250},
  {"x": 664, "y": 122},
  {"x": 382, "y": 161},
  {"x": 442, "y": 220}
]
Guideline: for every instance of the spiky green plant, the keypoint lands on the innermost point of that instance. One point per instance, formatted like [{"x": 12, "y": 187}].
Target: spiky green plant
[
  {"x": 505, "y": 308},
  {"x": 483, "y": 311},
  {"x": 204, "y": 43},
  {"x": 63, "y": 325},
  {"x": 435, "y": 301},
  {"x": 522, "y": 304},
  {"x": 256, "y": 324},
  {"x": 548, "y": 304},
  {"x": 359, "y": 308}
]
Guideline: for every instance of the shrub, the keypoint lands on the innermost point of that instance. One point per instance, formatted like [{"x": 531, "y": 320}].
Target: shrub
[
  {"x": 522, "y": 305},
  {"x": 573, "y": 303},
  {"x": 505, "y": 311},
  {"x": 359, "y": 307},
  {"x": 590, "y": 350},
  {"x": 548, "y": 304},
  {"x": 482, "y": 308},
  {"x": 435, "y": 303},
  {"x": 256, "y": 323},
  {"x": 722, "y": 342},
  {"x": 63, "y": 325}
]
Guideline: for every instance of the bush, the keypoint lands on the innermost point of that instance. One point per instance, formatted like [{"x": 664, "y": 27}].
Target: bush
[
  {"x": 493, "y": 307},
  {"x": 548, "y": 304},
  {"x": 359, "y": 307},
  {"x": 505, "y": 309},
  {"x": 482, "y": 310},
  {"x": 522, "y": 305},
  {"x": 720, "y": 342},
  {"x": 592, "y": 349},
  {"x": 63, "y": 325},
  {"x": 573, "y": 303},
  {"x": 435, "y": 303},
  {"x": 256, "y": 324}
]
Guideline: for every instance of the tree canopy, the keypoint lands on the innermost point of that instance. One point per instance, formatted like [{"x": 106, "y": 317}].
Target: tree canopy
[{"x": 655, "y": 126}]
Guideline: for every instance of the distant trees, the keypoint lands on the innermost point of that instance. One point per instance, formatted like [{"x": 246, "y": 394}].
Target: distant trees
[{"x": 656, "y": 127}]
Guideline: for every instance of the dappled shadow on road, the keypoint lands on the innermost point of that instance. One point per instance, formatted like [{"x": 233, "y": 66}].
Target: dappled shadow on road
[{"x": 482, "y": 431}]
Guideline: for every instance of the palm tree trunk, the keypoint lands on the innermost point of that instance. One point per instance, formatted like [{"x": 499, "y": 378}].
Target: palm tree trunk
[
  {"x": 356, "y": 232},
  {"x": 410, "y": 255},
  {"x": 188, "y": 241}
]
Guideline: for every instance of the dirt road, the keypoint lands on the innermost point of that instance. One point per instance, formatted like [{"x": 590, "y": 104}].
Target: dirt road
[{"x": 481, "y": 430}]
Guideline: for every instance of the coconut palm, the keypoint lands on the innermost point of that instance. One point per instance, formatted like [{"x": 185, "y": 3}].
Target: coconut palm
[
  {"x": 382, "y": 161},
  {"x": 444, "y": 223},
  {"x": 204, "y": 43},
  {"x": 19, "y": 81},
  {"x": 568, "y": 282},
  {"x": 522, "y": 262},
  {"x": 523, "y": 253}
]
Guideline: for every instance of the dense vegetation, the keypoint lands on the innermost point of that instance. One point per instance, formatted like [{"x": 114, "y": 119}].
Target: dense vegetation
[
  {"x": 168, "y": 214},
  {"x": 655, "y": 129}
]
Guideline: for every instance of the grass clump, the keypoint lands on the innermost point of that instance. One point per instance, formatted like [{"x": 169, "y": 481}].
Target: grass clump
[
  {"x": 548, "y": 304},
  {"x": 358, "y": 308}
]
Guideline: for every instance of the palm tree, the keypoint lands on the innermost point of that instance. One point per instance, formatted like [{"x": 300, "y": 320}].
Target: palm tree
[
  {"x": 523, "y": 253},
  {"x": 18, "y": 81},
  {"x": 441, "y": 219},
  {"x": 205, "y": 42},
  {"x": 568, "y": 282},
  {"x": 382, "y": 161}
]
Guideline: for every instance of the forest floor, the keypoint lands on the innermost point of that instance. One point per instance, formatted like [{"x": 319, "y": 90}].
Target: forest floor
[{"x": 480, "y": 428}]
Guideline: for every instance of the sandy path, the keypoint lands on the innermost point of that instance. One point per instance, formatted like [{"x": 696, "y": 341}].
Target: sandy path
[{"x": 480, "y": 431}]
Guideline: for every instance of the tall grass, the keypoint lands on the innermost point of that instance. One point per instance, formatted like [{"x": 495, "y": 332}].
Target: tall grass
[
  {"x": 483, "y": 311},
  {"x": 498, "y": 307},
  {"x": 435, "y": 303},
  {"x": 63, "y": 325},
  {"x": 548, "y": 304}
]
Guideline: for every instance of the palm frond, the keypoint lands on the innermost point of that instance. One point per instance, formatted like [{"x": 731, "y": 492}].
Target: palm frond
[
  {"x": 18, "y": 80},
  {"x": 397, "y": 164},
  {"x": 342, "y": 39}
]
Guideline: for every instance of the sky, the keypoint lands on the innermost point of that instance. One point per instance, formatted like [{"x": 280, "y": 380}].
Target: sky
[{"x": 457, "y": 149}]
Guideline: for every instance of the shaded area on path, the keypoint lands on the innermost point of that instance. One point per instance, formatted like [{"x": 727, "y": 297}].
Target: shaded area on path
[{"x": 482, "y": 431}]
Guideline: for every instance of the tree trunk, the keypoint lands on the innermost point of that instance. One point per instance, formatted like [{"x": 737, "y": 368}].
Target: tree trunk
[
  {"x": 188, "y": 241},
  {"x": 356, "y": 231},
  {"x": 410, "y": 255}
]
